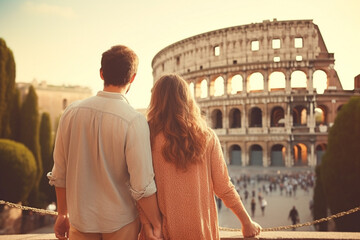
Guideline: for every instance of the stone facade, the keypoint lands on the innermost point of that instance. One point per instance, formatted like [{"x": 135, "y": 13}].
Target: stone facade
[
  {"x": 54, "y": 99},
  {"x": 269, "y": 90}
]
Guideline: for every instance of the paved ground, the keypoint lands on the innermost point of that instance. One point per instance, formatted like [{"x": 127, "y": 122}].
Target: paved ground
[
  {"x": 276, "y": 212},
  {"x": 278, "y": 207}
]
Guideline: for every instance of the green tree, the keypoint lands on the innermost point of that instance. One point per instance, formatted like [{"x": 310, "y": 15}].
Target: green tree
[
  {"x": 7, "y": 87},
  {"x": 17, "y": 171},
  {"x": 15, "y": 116},
  {"x": 320, "y": 206},
  {"x": 340, "y": 166},
  {"x": 46, "y": 144},
  {"x": 29, "y": 135}
]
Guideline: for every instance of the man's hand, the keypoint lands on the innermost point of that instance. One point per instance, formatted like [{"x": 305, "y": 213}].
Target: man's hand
[
  {"x": 61, "y": 227},
  {"x": 152, "y": 234}
]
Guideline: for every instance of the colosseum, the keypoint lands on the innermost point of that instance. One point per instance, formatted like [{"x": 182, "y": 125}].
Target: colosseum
[{"x": 269, "y": 90}]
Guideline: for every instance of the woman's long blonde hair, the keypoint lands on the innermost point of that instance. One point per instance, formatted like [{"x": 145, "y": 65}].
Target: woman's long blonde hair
[{"x": 174, "y": 112}]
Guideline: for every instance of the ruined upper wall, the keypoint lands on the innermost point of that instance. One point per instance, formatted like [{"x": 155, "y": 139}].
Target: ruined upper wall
[{"x": 270, "y": 44}]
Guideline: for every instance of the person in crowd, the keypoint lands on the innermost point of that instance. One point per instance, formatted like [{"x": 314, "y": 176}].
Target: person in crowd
[
  {"x": 294, "y": 216},
  {"x": 102, "y": 161},
  {"x": 189, "y": 166},
  {"x": 263, "y": 205}
]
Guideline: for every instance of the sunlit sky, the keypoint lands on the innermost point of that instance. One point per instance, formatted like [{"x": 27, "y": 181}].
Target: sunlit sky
[{"x": 61, "y": 41}]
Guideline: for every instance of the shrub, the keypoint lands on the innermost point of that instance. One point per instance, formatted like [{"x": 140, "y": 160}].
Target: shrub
[{"x": 17, "y": 171}]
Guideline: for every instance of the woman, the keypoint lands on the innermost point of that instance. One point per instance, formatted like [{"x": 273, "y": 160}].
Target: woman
[{"x": 189, "y": 167}]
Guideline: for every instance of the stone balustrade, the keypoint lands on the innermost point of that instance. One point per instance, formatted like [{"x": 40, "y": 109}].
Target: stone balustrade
[{"x": 283, "y": 235}]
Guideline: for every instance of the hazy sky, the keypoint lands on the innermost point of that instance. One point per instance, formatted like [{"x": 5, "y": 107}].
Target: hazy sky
[{"x": 61, "y": 41}]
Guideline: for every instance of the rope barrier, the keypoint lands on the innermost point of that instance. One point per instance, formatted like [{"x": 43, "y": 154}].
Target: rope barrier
[{"x": 341, "y": 214}]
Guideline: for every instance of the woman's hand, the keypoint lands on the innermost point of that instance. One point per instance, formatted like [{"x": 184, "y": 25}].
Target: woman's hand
[
  {"x": 151, "y": 233},
  {"x": 251, "y": 229}
]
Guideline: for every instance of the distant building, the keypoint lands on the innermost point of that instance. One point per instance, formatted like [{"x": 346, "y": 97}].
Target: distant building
[
  {"x": 54, "y": 99},
  {"x": 269, "y": 90}
]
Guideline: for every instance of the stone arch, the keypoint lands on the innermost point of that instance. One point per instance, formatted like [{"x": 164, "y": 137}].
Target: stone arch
[
  {"x": 235, "y": 155},
  {"x": 277, "y": 117},
  {"x": 277, "y": 81},
  {"x": 277, "y": 157},
  {"x": 320, "y": 81},
  {"x": 321, "y": 115},
  {"x": 298, "y": 80},
  {"x": 299, "y": 114},
  {"x": 204, "y": 89},
  {"x": 255, "y": 117},
  {"x": 219, "y": 86},
  {"x": 236, "y": 84},
  {"x": 300, "y": 151},
  {"x": 255, "y": 82},
  {"x": 256, "y": 155},
  {"x": 192, "y": 89},
  {"x": 320, "y": 151},
  {"x": 235, "y": 118},
  {"x": 217, "y": 119}
]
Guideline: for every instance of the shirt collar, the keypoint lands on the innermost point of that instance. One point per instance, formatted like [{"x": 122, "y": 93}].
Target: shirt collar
[{"x": 112, "y": 95}]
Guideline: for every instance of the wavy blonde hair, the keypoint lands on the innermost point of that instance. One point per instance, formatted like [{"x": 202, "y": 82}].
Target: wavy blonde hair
[{"x": 174, "y": 113}]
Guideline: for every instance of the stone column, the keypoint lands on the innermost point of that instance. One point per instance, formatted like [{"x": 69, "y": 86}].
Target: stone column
[
  {"x": 194, "y": 82},
  {"x": 208, "y": 86},
  {"x": 266, "y": 82},
  {"x": 225, "y": 119},
  {"x": 310, "y": 84},
  {"x": 311, "y": 124},
  {"x": 245, "y": 83},
  {"x": 288, "y": 81},
  {"x": 288, "y": 119},
  {"x": 312, "y": 155},
  {"x": 225, "y": 76}
]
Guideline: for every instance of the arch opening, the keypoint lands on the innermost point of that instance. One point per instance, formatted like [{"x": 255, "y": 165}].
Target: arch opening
[
  {"x": 300, "y": 155},
  {"x": 277, "y": 157},
  {"x": 235, "y": 118},
  {"x": 255, "y": 117},
  {"x": 235, "y": 155},
  {"x": 256, "y": 155},
  {"x": 216, "y": 118},
  {"x": 256, "y": 82}
]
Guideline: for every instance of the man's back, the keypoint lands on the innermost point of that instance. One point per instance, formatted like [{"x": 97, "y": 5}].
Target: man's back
[{"x": 96, "y": 138}]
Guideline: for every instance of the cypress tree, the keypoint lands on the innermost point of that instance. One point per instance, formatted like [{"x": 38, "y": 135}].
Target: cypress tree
[
  {"x": 340, "y": 166},
  {"x": 7, "y": 87},
  {"x": 29, "y": 136},
  {"x": 15, "y": 116},
  {"x": 46, "y": 145}
]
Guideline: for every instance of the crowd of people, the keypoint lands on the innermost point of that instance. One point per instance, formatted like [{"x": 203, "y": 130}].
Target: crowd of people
[{"x": 255, "y": 189}]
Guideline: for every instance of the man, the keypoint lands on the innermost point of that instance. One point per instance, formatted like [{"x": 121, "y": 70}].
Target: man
[
  {"x": 294, "y": 216},
  {"x": 102, "y": 160}
]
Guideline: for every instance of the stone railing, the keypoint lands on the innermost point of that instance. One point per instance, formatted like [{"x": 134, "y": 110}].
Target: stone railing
[{"x": 286, "y": 235}]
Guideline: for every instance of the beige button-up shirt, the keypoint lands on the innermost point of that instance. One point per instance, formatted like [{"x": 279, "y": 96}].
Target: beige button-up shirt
[{"x": 103, "y": 158}]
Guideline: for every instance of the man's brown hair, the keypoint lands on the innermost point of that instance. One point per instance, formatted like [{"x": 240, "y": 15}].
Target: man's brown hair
[{"x": 118, "y": 65}]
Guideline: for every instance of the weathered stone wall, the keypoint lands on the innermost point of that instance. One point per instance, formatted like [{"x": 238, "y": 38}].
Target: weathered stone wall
[{"x": 276, "y": 115}]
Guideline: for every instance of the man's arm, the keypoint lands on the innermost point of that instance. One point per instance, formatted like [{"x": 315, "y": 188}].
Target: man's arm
[{"x": 61, "y": 227}]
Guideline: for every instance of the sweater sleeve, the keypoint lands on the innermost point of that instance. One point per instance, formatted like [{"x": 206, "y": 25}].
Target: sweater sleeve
[{"x": 223, "y": 187}]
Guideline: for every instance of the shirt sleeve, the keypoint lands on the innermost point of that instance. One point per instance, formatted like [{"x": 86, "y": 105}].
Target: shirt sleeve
[
  {"x": 57, "y": 175},
  {"x": 139, "y": 160}
]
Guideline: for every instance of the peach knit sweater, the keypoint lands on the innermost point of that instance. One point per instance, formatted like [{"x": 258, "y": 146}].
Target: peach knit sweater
[{"x": 186, "y": 199}]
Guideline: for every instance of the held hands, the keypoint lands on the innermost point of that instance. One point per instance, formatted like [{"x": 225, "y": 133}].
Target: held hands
[
  {"x": 251, "y": 229},
  {"x": 61, "y": 227},
  {"x": 152, "y": 233}
]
